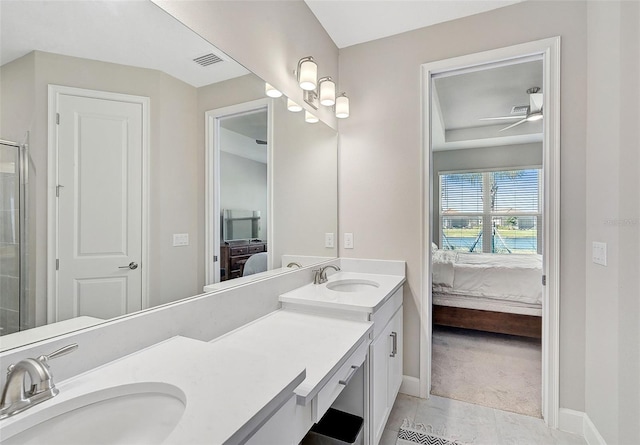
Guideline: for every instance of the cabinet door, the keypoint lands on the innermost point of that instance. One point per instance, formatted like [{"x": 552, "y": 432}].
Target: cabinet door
[
  {"x": 379, "y": 383},
  {"x": 395, "y": 358}
]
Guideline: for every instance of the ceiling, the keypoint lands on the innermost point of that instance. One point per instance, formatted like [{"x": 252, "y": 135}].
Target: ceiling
[
  {"x": 461, "y": 100},
  {"x": 350, "y": 22},
  {"x": 100, "y": 29}
]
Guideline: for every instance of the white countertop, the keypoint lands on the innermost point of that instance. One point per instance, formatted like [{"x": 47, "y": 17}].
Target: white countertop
[
  {"x": 228, "y": 391},
  {"x": 232, "y": 384},
  {"x": 318, "y": 295},
  {"x": 321, "y": 343}
]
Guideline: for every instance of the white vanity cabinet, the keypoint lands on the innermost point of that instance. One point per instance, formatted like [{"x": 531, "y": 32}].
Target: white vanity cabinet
[
  {"x": 382, "y": 306},
  {"x": 385, "y": 355}
]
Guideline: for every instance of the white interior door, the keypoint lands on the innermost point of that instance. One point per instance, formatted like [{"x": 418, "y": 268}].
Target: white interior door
[{"x": 99, "y": 207}]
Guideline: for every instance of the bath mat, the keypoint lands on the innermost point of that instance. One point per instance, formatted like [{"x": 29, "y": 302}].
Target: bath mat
[{"x": 411, "y": 433}]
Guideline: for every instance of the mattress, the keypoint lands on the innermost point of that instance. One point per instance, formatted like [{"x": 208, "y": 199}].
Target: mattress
[
  {"x": 485, "y": 304},
  {"x": 503, "y": 277}
]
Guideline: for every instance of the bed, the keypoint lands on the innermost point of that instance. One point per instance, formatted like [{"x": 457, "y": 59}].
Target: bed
[{"x": 489, "y": 292}]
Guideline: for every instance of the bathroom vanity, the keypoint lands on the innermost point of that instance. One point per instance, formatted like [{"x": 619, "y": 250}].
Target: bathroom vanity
[
  {"x": 336, "y": 344},
  {"x": 376, "y": 298}
]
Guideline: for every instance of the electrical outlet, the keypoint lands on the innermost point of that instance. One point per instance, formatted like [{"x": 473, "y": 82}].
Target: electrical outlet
[
  {"x": 328, "y": 239},
  {"x": 599, "y": 253},
  {"x": 348, "y": 240},
  {"x": 180, "y": 239}
]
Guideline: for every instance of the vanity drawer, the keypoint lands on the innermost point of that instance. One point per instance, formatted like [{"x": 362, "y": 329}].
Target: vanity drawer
[
  {"x": 330, "y": 392},
  {"x": 382, "y": 316},
  {"x": 239, "y": 250},
  {"x": 257, "y": 248}
]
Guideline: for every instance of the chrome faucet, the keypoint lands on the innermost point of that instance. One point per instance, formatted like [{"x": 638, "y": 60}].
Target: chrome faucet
[
  {"x": 15, "y": 398},
  {"x": 293, "y": 263},
  {"x": 320, "y": 275}
]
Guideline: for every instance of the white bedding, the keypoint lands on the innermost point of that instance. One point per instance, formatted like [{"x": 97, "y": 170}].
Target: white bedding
[{"x": 497, "y": 276}]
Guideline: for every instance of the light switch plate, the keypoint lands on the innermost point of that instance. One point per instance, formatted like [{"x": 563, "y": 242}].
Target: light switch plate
[
  {"x": 180, "y": 239},
  {"x": 328, "y": 239},
  {"x": 599, "y": 253},
  {"x": 348, "y": 240}
]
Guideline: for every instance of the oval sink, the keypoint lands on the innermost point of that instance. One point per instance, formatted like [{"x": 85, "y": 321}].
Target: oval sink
[
  {"x": 129, "y": 414},
  {"x": 352, "y": 285}
]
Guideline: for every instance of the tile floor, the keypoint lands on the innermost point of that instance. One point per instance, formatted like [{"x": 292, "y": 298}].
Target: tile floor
[{"x": 473, "y": 424}]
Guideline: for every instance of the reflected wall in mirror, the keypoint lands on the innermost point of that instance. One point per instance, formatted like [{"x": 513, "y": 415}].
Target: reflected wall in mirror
[{"x": 130, "y": 49}]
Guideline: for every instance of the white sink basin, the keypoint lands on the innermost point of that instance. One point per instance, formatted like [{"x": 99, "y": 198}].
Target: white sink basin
[
  {"x": 144, "y": 413},
  {"x": 352, "y": 285}
]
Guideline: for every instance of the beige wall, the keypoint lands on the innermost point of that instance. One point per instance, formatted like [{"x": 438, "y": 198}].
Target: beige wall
[
  {"x": 173, "y": 161},
  {"x": 305, "y": 189},
  {"x": 380, "y": 154},
  {"x": 612, "y": 365}
]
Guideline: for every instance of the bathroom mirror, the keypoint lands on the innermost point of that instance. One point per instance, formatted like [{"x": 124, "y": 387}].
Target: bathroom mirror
[{"x": 135, "y": 49}]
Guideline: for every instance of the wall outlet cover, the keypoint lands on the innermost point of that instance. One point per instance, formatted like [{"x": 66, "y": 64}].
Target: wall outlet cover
[
  {"x": 348, "y": 240},
  {"x": 599, "y": 253},
  {"x": 180, "y": 239},
  {"x": 328, "y": 240}
]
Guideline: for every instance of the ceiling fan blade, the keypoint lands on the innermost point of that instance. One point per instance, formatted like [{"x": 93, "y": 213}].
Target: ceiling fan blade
[
  {"x": 500, "y": 118},
  {"x": 514, "y": 125},
  {"x": 535, "y": 102}
]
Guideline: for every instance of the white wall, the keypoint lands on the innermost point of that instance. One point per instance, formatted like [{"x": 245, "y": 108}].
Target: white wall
[
  {"x": 612, "y": 365},
  {"x": 380, "y": 154}
]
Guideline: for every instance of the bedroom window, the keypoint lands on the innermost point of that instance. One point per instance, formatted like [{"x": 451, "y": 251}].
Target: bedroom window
[{"x": 491, "y": 211}]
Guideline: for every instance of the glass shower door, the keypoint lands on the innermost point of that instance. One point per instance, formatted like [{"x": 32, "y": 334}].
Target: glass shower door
[{"x": 9, "y": 239}]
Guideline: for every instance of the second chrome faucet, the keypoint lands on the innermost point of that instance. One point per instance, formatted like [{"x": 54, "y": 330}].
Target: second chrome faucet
[{"x": 320, "y": 275}]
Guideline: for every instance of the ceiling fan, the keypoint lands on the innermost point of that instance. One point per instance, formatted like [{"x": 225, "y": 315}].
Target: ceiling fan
[{"x": 533, "y": 110}]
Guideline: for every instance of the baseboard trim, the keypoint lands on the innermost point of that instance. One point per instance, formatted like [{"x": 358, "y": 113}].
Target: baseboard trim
[
  {"x": 410, "y": 386},
  {"x": 579, "y": 423},
  {"x": 591, "y": 433},
  {"x": 571, "y": 421}
]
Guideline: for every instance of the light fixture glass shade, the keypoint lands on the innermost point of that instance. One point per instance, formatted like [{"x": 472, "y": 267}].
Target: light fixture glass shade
[
  {"x": 271, "y": 91},
  {"x": 342, "y": 106},
  {"x": 308, "y": 75},
  {"x": 310, "y": 118},
  {"x": 327, "y": 92},
  {"x": 292, "y": 106}
]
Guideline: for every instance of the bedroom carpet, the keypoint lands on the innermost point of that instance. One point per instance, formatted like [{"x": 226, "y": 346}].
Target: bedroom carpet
[{"x": 494, "y": 370}]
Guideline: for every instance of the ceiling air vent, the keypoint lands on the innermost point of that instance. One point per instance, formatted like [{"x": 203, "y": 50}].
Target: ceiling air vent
[
  {"x": 207, "y": 59},
  {"x": 520, "y": 109}
]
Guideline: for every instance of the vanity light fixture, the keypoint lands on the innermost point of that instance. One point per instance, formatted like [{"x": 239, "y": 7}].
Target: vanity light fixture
[
  {"x": 271, "y": 91},
  {"x": 327, "y": 88},
  {"x": 310, "y": 118},
  {"x": 292, "y": 106},
  {"x": 307, "y": 73},
  {"x": 342, "y": 106}
]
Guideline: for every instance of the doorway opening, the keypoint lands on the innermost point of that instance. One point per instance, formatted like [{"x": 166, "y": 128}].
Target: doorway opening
[
  {"x": 238, "y": 196},
  {"x": 491, "y": 196}
]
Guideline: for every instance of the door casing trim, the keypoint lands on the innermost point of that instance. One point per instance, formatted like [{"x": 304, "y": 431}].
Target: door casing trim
[{"x": 549, "y": 49}]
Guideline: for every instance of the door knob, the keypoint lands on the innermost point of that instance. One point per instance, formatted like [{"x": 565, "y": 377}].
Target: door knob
[{"x": 132, "y": 265}]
